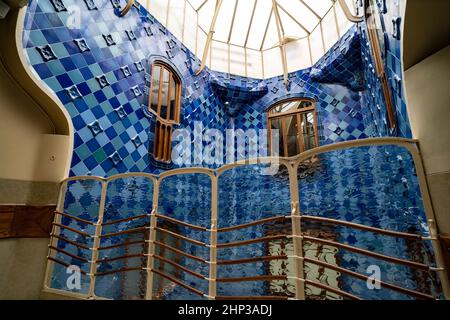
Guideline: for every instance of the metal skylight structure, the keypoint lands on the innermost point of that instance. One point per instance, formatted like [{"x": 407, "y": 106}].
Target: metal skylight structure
[{"x": 255, "y": 38}]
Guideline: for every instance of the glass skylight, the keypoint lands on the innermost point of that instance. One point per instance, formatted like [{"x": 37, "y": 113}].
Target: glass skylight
[{"x": 246, "y": 39}]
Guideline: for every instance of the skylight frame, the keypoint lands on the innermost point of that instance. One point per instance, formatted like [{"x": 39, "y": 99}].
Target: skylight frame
[{"x": 266, "y": 37}]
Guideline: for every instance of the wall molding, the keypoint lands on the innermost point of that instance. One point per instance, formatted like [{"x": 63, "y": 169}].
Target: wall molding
[{"x": 20, "y": 221}]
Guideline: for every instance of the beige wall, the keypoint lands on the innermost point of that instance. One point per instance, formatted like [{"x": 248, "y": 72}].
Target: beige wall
[
  {"x": 428, "y": 94},
  {"x": 22, "y": 265},
  {"x": 29, "y": 150},
  {"x": 35, "y": 150}
]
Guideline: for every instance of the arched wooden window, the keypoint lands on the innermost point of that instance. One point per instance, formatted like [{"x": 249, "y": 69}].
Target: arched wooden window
[
  {"x": 164, "y": 102},
  {"x": 296, "y": 122}
]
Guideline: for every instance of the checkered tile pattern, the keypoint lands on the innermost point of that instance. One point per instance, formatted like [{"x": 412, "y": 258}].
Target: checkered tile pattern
[
  {"x": 99, "y": 71},
  {"x": 343, "y": 63}
]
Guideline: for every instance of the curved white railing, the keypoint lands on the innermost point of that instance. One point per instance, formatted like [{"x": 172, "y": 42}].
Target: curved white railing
[{"x": 295, "y": 217}]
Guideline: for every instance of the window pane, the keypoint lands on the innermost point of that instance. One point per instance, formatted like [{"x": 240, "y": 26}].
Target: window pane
[
  {"x": 161, "y": 141},
  {"x": 173, "y": 97},
  {"x": 276, "y": 125},
  {"x": 291, "y": 106},
  {"x": 155, "y": 88},
  {"x": 309, "y": 136},
  {"x": 164, "y": 94},
  {"x": 157, "y": 138},
  {"x": 292, "y": 136}
]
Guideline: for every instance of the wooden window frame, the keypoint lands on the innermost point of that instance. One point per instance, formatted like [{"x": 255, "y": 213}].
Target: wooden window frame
[
  {"x": 284, "y": 115},
  {"x": 379, "y": 64},
  {"x": 162, "y": 151}
]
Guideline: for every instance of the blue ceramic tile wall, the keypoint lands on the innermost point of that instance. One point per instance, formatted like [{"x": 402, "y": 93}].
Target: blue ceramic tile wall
[
  {"x": 99, "y": 72},
  {"x": 391, "y": 16}
]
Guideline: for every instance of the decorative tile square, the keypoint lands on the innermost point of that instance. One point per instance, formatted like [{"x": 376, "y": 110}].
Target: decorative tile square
[
  {"x": 109, "y": 39},
  {"x": 102, "y": 81},
  {"x": 126, "y": 71},
  {"x": 95, "y": 128},
  {"x": 82, "y": 45},
  {"x": 58, "y": 5},
  {"x": 90, "y": 4},
  {"x": 116, "y": 158},
  {"x": 131, "y": 35},
  {"x": 46, "y": 53},
  {"x": 73, "y": 92}
]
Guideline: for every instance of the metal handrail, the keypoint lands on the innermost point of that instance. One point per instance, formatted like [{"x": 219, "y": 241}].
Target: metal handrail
[{"x": 292, "y": 164}]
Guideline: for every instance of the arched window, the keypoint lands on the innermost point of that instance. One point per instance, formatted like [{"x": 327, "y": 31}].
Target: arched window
[
  {"x": 164, "y": 103},
  {"x": 296, "y": 121}
]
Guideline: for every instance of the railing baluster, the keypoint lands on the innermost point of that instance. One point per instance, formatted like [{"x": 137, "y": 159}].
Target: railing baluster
[
  {"x": 151, "y": 251},
  {"x": 297, "y": 234},
  {"x": 213, "y": 241}
]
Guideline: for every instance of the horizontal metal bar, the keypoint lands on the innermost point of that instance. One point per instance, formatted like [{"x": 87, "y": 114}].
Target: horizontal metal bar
[
  {"x": 123, "y": 270},
  {"x": 175, "y": 221},
  {"x": 247, "y": 242},
  {"x": 176, "y": 235},
  {"x": 69, "y": 254},
  {"x": 124, "y": 257},
  {"x": 131, "y": 231},
  {"x": 182, "y": 253},
  {"x": 363, "y": 227},
  {"x": 251, "y": 279},
  {"x": 76, "y": 244},
  {"x": 179, "y": 266},
  {"x": 126, "y": 220},
  {"x": 84, "y": 234},
  {"x": 331, "y": 289},
  {"x": 251, "y": 260},
  {"x": 411, "y": 264},
  {"x": 252, "y": 224},
  {"x": 178, "y": 282},
  {"x": 75, "y": 218},
  {"x": 123, "y": 244},
  {"x": 393, "y": 287},
  {"x": 64, "y": 264}
]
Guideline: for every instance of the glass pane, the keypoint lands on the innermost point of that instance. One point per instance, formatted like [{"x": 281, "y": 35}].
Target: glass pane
[
  {"x": 309, "y": 135},
  {"x": 173, "y": 95},
  {"x": 167, "y": 147},
  {"x": 375, "y": 186},
  {"x": 187, "y": 198},
  {"x": 82, "y": 200},
  {"x": 246, "y": 195},
  {"x": 161, "y": 136},
  {"x": 291, "y": 106},
  {"x": 155, "y": 88},
  {"x": 164, "y": 94},
  {"x": 275, "y": 124},
  {"x": 157, "y": 140},
  {"x": 128, "y": 197},
  {"x": 292, "y": 136}
]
